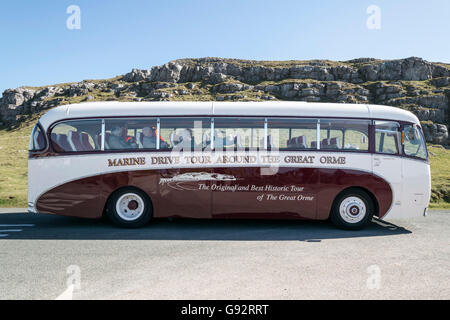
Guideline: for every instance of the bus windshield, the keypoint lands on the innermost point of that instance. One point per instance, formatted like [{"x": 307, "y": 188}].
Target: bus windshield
[{"x": 414, "y": 143}]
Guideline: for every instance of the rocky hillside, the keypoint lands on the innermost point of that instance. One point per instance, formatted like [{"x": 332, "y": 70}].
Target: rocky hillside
[{"x": 413, "y": 83}]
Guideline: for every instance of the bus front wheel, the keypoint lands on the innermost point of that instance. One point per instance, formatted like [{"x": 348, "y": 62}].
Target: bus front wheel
[
  {"x": 129, "y": 208},
  {"x": 353, "y": 209}
]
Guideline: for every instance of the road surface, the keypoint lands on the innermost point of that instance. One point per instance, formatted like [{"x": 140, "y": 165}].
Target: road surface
[{"x": 48, "y": 257}]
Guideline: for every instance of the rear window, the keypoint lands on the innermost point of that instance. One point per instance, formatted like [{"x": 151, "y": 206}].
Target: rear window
[
  {"x": 76, "y": 136},
  {"x": 37, "y": 139}
]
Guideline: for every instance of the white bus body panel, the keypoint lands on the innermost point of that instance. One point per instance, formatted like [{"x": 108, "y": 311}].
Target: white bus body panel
[
  {"x": 416, "y": 187},
  {"x": 389, "y": 167},
  {"x": 412, "y": 197}
]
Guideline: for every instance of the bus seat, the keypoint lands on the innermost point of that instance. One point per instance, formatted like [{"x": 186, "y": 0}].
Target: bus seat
[
  {"x": 238, "y": 141},
  {"x": 55, "y": 139},
  {"x": 290, "y": 143},
  {"x": 85, "y": 142},
  {"x": 297, "y": 142},
  {"x": 206, "y": 140},
  {"x": 313, "y": 145},
  {"x": 54, "y": 142},
  {"x": 63, "y": 142},
  {"x": 334, "y": 143},
  {"x": 74, "y": 140},
  {"x": 219, "y": 141},
  {"x": 324, "y": 144},
  {"x": 140, "y": 140},
  {"x": 269, "y": 142},
  {"x": 99, "y": 140},
  {"x": 107, "y": 140},
  {"x": 300, "y": 142},
  {"x": 174, "y": 138}
]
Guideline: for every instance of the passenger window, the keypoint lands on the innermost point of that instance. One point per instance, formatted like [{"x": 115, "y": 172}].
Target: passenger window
[
  {"x": 292, "y": 134},
  {"x": 76, "y": 136},
  {"x": 351, "y": 135},
  {"x": 238, "y": 134},
  {"x": 185, "y": 134},
  {"x": 37, "y": 139},
  {"x": 387, "y": 137},
  {"x": 414, "y": 143},
  {"x": 130, "y": 134}
]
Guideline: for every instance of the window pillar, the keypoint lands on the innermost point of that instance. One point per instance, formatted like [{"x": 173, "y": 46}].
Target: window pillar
[
  {"x": 158, "y": 126},
  {"x": 318, "y": 135},
  {"x": 102, "y": 147}
]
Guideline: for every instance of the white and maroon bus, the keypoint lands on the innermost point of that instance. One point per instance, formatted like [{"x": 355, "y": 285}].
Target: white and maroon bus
[{"x": 134, "y": 161}]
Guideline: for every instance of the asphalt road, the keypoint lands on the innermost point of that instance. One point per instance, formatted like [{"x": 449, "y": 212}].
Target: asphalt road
[{"x": 45, "y": 257}]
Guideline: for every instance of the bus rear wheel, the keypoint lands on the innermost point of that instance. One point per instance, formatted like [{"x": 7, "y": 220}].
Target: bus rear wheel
[
  {"x": 353, "y": 209},
  {"x": 129, "y": 208}
]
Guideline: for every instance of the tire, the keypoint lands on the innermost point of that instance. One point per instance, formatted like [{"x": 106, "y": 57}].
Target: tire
[
  {"x": 129, "y": 208},
  {"x": 353, "y": 209}
]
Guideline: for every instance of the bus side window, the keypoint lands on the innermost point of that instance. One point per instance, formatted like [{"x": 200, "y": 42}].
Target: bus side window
[
  {"x": 387, "y": 137},
  {"x": 76, "y": 136},
  {"x": 344, "y": 134},
  {"x": 185, "y": 134},
  {"x": 130, "y": 134},
  {"x": 239, "y": 134},
  {"x": 293, "y": 134}
]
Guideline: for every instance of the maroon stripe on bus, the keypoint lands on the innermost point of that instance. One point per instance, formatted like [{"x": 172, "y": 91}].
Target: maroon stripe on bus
[{"x": 318, "y": 187}]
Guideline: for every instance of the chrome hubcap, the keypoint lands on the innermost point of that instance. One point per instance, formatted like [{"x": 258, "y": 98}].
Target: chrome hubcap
[
  {"x": 130, "y": 206},
  {"x": 352, "y": 209}
]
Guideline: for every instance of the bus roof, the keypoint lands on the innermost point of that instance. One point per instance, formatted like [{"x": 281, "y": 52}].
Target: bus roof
[{"x": 201, "y": 108}]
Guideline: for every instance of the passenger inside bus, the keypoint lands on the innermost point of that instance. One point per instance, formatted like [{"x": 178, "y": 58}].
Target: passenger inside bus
[
  {"x": 118, "y": 141},
  {"x": 148, "y": 139}
]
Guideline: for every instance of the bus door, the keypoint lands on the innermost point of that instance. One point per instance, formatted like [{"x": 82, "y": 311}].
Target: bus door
[
  {"x": 416, "y": 172},
  {"x": 386, "y": 161}
]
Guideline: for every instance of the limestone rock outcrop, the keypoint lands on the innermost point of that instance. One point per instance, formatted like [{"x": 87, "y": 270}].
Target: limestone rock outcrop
[{"x": 415, "y": 84}]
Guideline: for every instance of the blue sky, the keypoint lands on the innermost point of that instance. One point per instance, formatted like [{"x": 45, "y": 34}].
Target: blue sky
[{"x": 115, "y": 36}]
